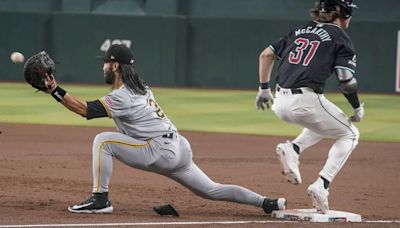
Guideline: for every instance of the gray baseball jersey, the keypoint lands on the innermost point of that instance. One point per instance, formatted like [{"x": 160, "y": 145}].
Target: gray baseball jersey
[
  {"x": 135, "y": 115},
  {"x": 147, "y": 140}
]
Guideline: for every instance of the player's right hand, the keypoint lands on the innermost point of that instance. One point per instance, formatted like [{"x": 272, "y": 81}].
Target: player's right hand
[
  {"x": 358, "y": 114},
  {"x": 263, "y": 98}
]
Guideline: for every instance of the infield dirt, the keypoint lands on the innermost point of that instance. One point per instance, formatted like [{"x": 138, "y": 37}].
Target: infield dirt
[{"x": 44, "y": 169}]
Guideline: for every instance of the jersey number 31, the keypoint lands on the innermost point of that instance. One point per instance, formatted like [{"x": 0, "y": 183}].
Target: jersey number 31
[{"x": 302, "y": 45}]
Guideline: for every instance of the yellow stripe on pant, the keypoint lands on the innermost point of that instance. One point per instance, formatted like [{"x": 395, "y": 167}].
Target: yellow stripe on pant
[{"x": 101, "y": 150}]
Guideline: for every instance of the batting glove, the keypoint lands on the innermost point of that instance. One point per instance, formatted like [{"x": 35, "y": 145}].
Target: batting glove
[
  {"x": 264, "y": 96},
  {"x": 358, "y": 114}
]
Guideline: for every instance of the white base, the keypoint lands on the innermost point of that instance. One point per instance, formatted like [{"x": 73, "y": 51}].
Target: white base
[{"x": 311, "y": 215}]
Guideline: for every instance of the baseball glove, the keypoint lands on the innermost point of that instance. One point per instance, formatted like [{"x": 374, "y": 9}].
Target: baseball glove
[{"x": 37, "y": 68}]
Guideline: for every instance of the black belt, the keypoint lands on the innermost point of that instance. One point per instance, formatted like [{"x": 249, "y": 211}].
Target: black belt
[
  {"x": 294, "y": 91},
  {"x": 169, "y": 135}
]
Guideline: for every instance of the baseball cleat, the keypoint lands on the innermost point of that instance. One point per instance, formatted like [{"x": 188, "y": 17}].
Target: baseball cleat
[
  {"x": 319, "y": 196},
  {"x": 270, "y": 205},
  {"x": 290, "y": 162},
  {"x": 97, "y": 204}
]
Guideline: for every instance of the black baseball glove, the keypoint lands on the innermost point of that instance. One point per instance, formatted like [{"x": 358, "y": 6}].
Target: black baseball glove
[{"x": 38, "y": 68}]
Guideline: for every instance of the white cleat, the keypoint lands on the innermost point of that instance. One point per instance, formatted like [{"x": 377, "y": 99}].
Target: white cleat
[
  {"x": 290, "y": 162},
  {"x": 270, "y": 205},
  {"x": 319, "y": 196},
  {"x": 282, "y": 203}
]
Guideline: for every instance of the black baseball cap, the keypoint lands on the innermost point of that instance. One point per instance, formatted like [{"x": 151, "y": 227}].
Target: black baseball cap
[{"x": 118, "y": 53}]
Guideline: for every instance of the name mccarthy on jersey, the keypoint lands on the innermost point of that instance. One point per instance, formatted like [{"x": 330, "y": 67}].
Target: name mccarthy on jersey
[{"x": 322, "y": 33}]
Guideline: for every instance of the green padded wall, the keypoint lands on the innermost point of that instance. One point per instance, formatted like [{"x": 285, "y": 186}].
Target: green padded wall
[
  {"x": 28, "y": 33},
  {"x": 156, "y": 43},
  {"x": 215, "y": 43},
  {"x": 224, "y": 52}
]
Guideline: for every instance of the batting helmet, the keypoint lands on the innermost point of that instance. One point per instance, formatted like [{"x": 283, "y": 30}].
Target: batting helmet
[{"x": 346, "y": 7}]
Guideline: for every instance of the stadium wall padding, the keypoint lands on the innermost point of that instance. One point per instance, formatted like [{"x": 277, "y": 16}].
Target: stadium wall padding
[{"x": 180, "y": 51}]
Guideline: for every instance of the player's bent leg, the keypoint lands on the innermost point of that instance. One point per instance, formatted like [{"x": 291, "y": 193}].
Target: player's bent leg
[
  {"x": 289, "y": 157},
  {"x": 327, "y": 120},
  {"x": 102, "y": 163},
  {"x": 199, "y": 183},
  {"x": 306, "y": 139},
  {"x": 106, "y": 145},
  {"x": 289, "y": 161},
  {"x": 339, "y": 153}
]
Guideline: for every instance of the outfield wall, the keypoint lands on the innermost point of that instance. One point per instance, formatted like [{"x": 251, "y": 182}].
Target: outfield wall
[
  {"x": 74, "y": 40},
  {"x": 173, "y": 50}
]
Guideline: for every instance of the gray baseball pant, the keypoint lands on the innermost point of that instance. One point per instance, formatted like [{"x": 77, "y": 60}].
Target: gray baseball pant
[{"x": 171, "y": 157}]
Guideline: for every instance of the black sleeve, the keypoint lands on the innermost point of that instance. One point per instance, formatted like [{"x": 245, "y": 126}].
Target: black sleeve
[
  {"x": 95, "y": 109},
  {"x": 353, "y": 99},
  {"x": 279, "y": 46},
  {"x": 345, "y": 54}
]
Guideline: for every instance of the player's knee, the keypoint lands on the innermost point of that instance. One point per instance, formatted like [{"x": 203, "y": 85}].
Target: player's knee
[
  {"x": 354, "y": 136},
  {"x": 101, "y": 137},
  {"x": 356, "y": 133},
  {"x": 99, "y": 140},
  {"x": 351, "y": 133}
]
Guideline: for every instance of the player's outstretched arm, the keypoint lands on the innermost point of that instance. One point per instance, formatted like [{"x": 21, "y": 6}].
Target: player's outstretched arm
[
  {"x": 73, "y": 103},
  {"x": 88, "y": 109},
  {"x": 38, "y": 72}
]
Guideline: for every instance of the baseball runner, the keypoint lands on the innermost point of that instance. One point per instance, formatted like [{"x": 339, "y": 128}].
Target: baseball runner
[
  {"x": 146, "y": 138},
  {"x": 309, "y": 54}
]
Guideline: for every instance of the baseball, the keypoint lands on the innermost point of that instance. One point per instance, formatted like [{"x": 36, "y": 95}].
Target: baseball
[{"x": 17, "y": 57}]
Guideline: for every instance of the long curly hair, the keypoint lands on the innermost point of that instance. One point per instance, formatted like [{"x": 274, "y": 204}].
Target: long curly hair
[
  {"x": 132, "y": 80},
  {"x": 324, "y": 14}
]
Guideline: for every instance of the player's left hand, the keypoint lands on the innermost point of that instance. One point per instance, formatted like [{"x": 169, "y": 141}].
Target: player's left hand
[
  {"x": 358, "y": 114},
  {"x": 263, "y": 98},
  {"x": 38, "y": 71},
  {"x": 50, "y": 82}
]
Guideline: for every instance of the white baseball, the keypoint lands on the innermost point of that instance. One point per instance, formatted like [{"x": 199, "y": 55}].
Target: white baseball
[{"x": 17, "y": 57}]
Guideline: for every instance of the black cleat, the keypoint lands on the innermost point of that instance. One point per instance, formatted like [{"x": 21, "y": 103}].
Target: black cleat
[
  {"x": 97, "y": 203},
  {"x": 270, "y": 205}
]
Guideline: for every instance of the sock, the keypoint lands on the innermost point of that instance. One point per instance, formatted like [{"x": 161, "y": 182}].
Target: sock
[
  {"x": 296, "y": 148},
  {"x": 326, "y": 183},
  {"x": 101, "y": 196}
]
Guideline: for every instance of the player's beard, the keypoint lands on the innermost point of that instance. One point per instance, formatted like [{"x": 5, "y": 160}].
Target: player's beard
[{"x": 109, "y": 77}]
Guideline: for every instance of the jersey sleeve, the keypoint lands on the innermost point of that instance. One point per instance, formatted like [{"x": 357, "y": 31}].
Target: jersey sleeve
[
  {"x": 345, "y": 56},
  {"x": 279, "y": 46},
  {"x": 116, "y": 103},
  {"x": 95, "y": 109}
]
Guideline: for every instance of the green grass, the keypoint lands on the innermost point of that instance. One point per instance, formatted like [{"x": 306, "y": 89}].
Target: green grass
[{"x": 230, "y": 111}]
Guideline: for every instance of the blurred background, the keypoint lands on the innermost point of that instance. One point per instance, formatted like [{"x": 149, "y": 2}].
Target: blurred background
[{"x": 186, "y": 43}]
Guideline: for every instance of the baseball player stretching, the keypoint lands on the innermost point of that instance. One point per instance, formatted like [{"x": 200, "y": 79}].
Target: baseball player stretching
[
  {"x": 309, "y": 54},
  {"x": 146, "y": 139}
]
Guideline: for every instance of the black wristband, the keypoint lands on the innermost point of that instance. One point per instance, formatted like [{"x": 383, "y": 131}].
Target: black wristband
[
  {"x": 58, "y": 93},
  {"x": 264, "y": 85},
  {"x": 353, "y": 99}
]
